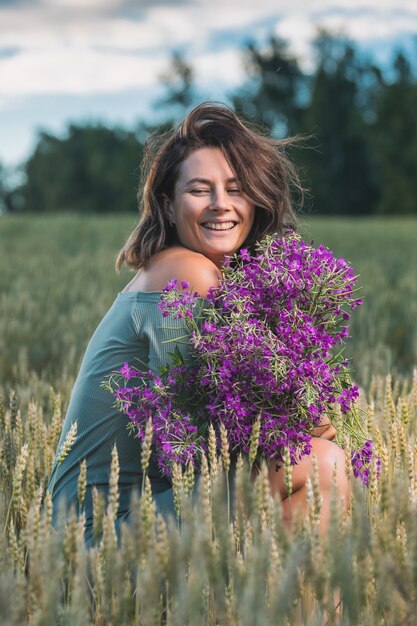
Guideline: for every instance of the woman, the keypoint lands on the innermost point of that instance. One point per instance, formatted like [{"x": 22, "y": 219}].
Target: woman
[{"x": 208, "y": 188}]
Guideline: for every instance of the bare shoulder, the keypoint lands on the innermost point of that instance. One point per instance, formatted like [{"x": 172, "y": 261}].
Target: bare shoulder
[{"x": 184, "y": 265}]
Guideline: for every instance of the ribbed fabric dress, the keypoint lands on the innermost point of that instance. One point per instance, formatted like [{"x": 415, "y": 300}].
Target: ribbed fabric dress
[{"x": 133, "y": 331}]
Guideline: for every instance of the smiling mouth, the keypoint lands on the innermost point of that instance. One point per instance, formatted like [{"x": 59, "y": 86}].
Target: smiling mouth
[{"x": 219, "y": 225}]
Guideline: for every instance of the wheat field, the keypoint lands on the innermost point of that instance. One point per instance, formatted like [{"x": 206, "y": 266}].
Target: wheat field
[{"x": 204, "y": 567}]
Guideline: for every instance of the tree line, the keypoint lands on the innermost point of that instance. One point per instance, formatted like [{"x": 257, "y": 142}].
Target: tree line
[{"x": 357, "y": 123}]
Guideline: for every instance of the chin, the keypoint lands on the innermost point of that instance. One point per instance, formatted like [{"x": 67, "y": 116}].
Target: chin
[{"x": 220, "y": 253}]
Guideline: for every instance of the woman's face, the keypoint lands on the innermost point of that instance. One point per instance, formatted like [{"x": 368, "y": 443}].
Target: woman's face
[{"x": 209, "y": 211}]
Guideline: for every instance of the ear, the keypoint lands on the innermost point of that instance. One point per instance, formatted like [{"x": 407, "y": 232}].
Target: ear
[{"x": 168, "y": 209}]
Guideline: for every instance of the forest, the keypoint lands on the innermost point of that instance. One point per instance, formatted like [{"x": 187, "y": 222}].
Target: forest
[{"x": 355, "y": 124}]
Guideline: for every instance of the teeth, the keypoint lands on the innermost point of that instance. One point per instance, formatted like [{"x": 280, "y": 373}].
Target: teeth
[{"x": 217, "y": 226}]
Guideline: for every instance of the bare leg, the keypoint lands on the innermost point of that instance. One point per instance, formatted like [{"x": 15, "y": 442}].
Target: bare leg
[{"x": 328, "y": 455}]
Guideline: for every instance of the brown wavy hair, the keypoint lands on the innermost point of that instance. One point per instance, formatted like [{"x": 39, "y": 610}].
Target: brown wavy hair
[{"x": 265, "y": 174}]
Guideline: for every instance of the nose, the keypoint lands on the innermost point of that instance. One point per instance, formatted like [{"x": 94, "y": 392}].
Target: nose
[{"x": 219, "y": 200}]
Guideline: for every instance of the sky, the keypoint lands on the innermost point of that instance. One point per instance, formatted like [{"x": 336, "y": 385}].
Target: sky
[{"x": 84, "y": 61}]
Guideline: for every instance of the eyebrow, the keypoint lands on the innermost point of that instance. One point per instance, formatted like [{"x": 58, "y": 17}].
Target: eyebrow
[{"x": 205, "y": 181}]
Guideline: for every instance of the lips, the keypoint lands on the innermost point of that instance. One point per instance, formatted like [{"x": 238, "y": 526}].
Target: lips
[{"x": 219, "y": 225}]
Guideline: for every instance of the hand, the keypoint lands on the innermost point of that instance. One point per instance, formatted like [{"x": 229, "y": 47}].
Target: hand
[{"x": 325, "y": 430}]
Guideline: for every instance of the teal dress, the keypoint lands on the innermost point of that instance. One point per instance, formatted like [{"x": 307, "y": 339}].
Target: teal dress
[{"x": 133, "y": 331}]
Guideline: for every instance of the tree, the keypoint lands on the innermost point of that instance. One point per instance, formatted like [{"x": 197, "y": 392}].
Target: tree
[
  {"x": 394, "y": 140},
  {"x": 178, "y": 82},
  {"x": 341, "y": 170},
  {"x": 10, "y": 178},
  {"x": 2, "y": 189},
  {"x": 273, "y": 93},
  {"x": 92, "y": 169}
]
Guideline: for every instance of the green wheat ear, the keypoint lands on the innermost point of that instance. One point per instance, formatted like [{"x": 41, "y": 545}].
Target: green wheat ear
[
  {"x": 64, "y": 449},
  {"x": 67, "y": 444},
  {"x": 207, "y": 570},
  {"x": 82, "y": 483},
  {"x": 146, "y": 450}
]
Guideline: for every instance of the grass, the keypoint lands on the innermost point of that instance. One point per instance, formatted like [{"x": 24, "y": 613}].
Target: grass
[{"x": 57, "y": 281}]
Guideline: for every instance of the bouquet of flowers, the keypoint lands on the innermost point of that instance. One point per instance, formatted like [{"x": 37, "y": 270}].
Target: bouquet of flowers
[{"x": 264, "y": 361}]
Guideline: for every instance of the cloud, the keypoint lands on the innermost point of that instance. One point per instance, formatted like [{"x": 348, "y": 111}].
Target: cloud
[
  {"x": 92, "y": 50},
  {"x": 374, "y": 30},
  {"x": 101, "y": 70},
  {"x": 366, "y": 24},
  {"x": 95, "y": 53}
]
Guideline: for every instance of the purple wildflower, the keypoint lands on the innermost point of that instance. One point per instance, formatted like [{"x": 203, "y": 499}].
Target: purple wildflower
[
  {"x": 362, "y": 462},
  {"x": 127, "y": 371},
  {"x": 178, "y": 304},
  {"x": 347, "y": 397},
  {"x": 244, "y": 254},
  {"x": 263, "y": 346}
]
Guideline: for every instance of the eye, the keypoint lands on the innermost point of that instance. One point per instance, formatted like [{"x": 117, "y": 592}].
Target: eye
[
  {"x": 233, "y": 190},
  {"x": 199, "y": 192}
]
